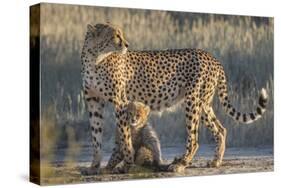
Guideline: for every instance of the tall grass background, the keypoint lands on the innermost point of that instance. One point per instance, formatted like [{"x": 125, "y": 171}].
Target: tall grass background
[{"x": 243, "y": 44}]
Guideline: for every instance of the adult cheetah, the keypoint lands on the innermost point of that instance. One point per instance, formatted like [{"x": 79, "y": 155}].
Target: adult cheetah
[{"x": 158, "y": 79}]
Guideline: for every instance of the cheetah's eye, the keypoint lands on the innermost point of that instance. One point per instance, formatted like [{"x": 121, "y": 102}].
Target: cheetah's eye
[{"x": 118, "y": 39}]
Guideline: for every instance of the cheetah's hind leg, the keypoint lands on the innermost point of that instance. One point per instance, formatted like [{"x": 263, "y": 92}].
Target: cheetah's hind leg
[
  {"x": 193, "y": 111},
  {"x": 219, "y": 133}
]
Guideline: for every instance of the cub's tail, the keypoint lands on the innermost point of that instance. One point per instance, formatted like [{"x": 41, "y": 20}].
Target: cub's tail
[{"x": 231, "y": 111}]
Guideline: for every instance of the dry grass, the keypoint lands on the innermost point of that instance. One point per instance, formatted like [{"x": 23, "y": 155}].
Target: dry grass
[{"x": 244, "y": 45}]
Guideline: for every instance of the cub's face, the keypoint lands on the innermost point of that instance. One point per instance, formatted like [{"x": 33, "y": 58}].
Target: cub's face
[
  {"x": 106, "y": 38},
  {"x": 137, "y": 114}
]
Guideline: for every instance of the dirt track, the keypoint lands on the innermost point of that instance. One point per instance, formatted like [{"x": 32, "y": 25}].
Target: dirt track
[{"x": 61, "y": 173}]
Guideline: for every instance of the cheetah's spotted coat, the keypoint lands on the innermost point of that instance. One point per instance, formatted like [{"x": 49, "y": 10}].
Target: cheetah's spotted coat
[{"x": 158, "y": 79}]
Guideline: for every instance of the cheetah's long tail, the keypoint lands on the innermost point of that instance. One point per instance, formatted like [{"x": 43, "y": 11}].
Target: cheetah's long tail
[{"x": 231, "y": 111}]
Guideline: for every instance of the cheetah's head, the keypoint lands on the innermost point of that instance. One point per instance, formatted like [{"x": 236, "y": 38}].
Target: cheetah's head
[
  {"x": 137, "y": 114},
  {"x": 105, "y": 38}
]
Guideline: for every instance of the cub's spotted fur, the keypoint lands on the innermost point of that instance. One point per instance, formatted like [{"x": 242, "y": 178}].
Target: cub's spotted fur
[{"x": 145, "y": 141}]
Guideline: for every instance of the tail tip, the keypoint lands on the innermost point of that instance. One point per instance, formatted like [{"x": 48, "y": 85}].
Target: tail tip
[{"x": 264, "y": 94}]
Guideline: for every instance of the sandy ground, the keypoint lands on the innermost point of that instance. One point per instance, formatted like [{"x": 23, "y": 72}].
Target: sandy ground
[{"x": 236, "y": 160}]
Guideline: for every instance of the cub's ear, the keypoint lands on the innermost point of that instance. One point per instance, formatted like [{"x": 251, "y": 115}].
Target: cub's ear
[
  {"x": 90, "y": 28},
  {"x": 147, "y": 110}
]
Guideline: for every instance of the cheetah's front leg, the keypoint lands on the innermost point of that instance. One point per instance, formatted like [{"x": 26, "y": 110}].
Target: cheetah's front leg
[
  {"x": 125, "y": 141},
  {"x": 95, "y": 107}
]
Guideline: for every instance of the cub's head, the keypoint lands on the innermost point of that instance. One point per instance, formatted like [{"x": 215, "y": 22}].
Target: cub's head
[
  {"x": 137, "y": 114},
  {"x": 105, "y": 38}
]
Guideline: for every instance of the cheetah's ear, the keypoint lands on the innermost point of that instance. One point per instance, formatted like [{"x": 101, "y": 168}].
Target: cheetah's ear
[
  {"x": 90, "y": 28},
  {"x": 100, "y": 26}
]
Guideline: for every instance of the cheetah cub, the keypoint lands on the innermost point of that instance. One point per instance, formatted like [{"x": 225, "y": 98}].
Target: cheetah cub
[{"x": 145, "y": 141}]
